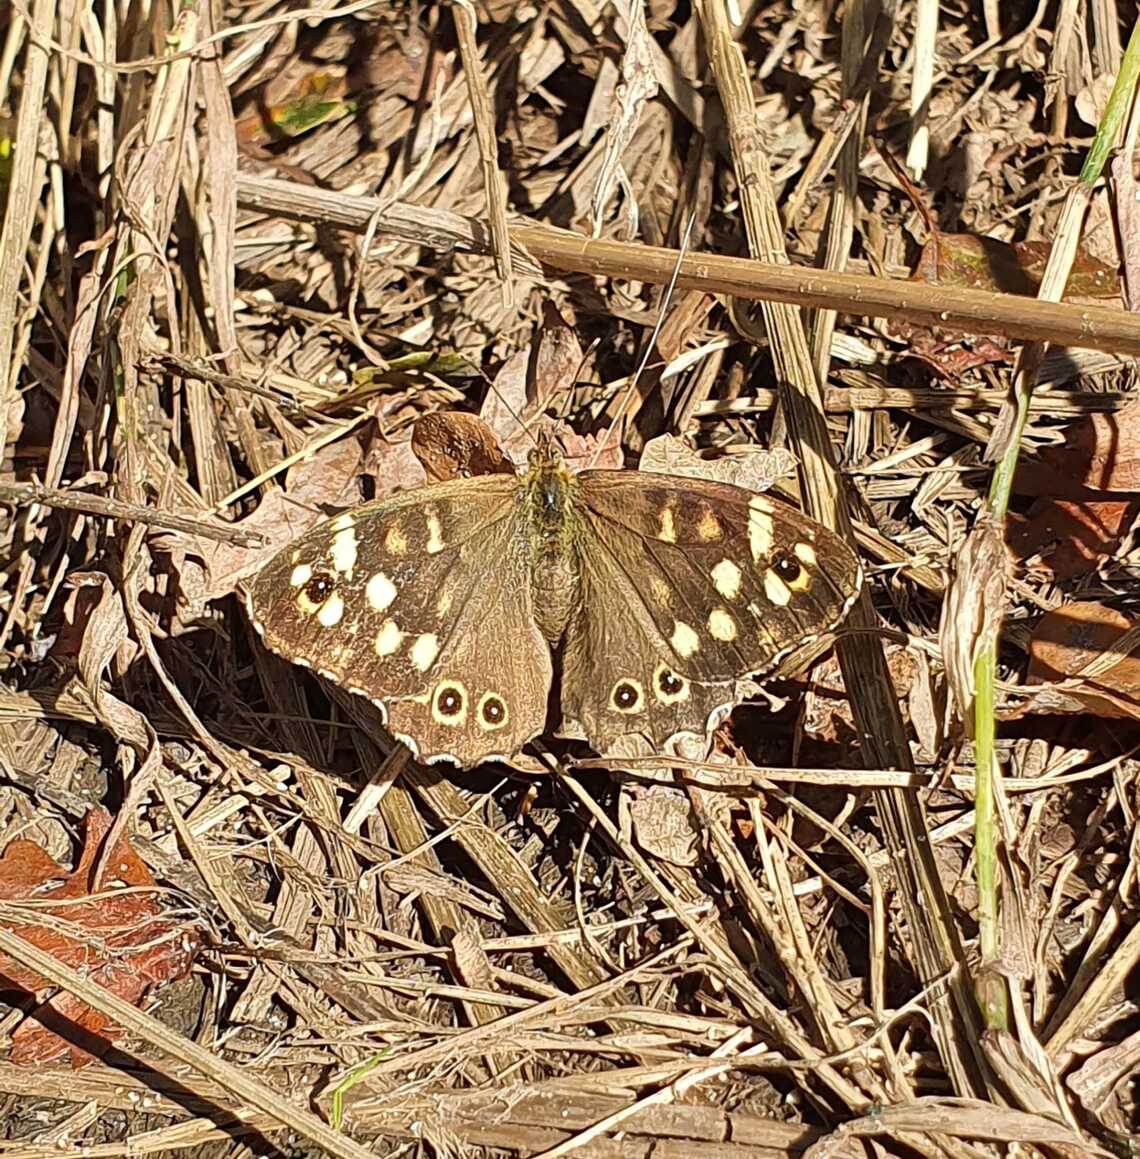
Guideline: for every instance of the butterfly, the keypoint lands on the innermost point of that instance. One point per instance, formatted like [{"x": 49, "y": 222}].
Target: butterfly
[{"x": 457, "y": 607}]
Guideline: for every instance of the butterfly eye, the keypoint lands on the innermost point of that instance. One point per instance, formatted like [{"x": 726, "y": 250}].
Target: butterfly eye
[
  {"x": 788, "y": 568},
  {"x": 626, "y": 696}
]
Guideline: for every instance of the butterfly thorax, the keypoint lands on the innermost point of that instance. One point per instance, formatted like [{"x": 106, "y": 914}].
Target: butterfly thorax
[{"x": 548, "y": 497}]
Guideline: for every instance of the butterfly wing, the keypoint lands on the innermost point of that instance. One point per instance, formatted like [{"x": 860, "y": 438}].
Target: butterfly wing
[
  {"x": 687, "y": 586},
  {"x": 422, "y": 603}
]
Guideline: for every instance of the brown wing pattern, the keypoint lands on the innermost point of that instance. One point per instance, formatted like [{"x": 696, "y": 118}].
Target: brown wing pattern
[
  {"x": 688, "y": 585},
  {"x": 421, "y": 603}
]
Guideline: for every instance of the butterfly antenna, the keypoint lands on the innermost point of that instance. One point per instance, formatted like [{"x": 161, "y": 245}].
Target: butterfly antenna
[
  {"x": 507, "y": 406},
  {"x": 666, "y": 301}
]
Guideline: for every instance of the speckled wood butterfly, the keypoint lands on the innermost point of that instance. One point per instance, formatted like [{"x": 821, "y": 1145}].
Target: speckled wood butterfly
[{"x": 452, "y": 607}]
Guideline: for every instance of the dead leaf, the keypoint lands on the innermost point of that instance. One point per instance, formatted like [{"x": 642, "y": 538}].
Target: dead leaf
[
  {"x": 664, "y": 825},
  {"x": 638, "y": 86},
  {"x": 330, "y": 476},
  {"x": 969, "y": 261},
  {"x": 972, "y": 611},
  {"x": 107, "y": 923},
  {"x": 1066, "y": 641},
  {"x": 530, "y": 382},
  {"x": 755, "y": 471},
  {"x": 974, "y": 261},
  {"x": 593, "y": 452},
  {"x": 1075, "y": 518},
  {"x": 1076, "y": 538},
  {"x": 454, "y": 445}
]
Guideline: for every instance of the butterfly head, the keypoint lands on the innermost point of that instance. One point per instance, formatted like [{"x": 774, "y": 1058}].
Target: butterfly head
[{"x": 544, "y": 453}]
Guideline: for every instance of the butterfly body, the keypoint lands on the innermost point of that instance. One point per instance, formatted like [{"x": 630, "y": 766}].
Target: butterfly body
[
  {"x": 550, "y": 528},
  {"x": 446, "y": 606}
]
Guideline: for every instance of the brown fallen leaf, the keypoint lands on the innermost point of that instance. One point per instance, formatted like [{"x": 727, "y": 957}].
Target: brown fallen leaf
[
  {"x": 531, "y": 381},
  {"x": 101, "y": 918},
  {"x": 453, "y": 445},
  {"x": 1074, "y": 538},
  {"x": 1070, "y": 639},
  {"x": 976, "y": 262},
  {"x": 972, "y": 611},
  {"x": 1089, "y": 493}
]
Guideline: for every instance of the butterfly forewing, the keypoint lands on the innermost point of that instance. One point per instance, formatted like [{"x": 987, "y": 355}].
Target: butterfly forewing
[{"x": 422, "y": 603}]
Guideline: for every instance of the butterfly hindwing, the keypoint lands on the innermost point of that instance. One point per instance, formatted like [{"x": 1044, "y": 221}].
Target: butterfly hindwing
[
  {"x": 422, "y": 603},
  {"x": 618, "y": 677}
]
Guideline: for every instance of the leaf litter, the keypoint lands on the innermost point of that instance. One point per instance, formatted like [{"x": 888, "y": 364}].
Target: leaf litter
[{"x": 715, "y": 955}]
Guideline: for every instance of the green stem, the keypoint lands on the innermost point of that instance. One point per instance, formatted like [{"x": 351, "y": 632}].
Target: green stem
[{"x": 991, "y": 992}]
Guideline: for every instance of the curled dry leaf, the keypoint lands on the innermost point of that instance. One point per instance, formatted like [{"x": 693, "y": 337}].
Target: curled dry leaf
[
  {"x": 531, "y": 381},
  {"x": 1084, "y": 645},
  {"x": 103, "y": 919},
  {"x": 454, "y": 445},
  {"x": 1073, "y": 522},
  {"x": 638, "y": 86},
  {"x": 972, "y": 611},
  {"x": 755, "y": 471}
]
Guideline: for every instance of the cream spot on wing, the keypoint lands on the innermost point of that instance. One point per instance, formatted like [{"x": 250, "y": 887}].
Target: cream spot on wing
[
  {"x": 775, "y": 589},
  {"x": 722, "y": 626},
  {"x": 759, "y": 527},
  {"x": 343, "y": 551},
  {"x": 668, "y": 531},
  {"x": 684, "y": 640},
  {"x": 395, "y": 542},
  {"x": 659, "y": 590},
  {"x": 726, "y": 578},
  {"x": 424, "y": 651},
  {"x": 342, "y": 522},
  {"x": 388, "y": 639},
  {"x": 380, "y": 591},
  {"x": 331, "y": 611},
  {"x": 805, "y": 553},
  {"x": 443, "y": 604},
  {"x": 306, "y": 605},
  {"x": 708, "y": 528},
  {"x": 301, "y": 575},
  {"x": 435, "y": 533}
]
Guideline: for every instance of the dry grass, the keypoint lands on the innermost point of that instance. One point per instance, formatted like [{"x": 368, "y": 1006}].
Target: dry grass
[{"x": 239, "y": 260}]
